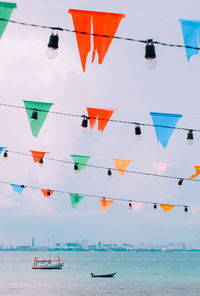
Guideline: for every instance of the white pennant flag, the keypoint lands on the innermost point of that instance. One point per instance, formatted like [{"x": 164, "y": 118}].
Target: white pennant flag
[
  {"x": 137, "y": 205},
  {"x": 195, "y": 210}
]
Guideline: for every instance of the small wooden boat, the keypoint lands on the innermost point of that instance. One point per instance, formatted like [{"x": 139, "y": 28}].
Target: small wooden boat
[
  {"x": 109, "y": 275},
  {"x": 47, "y": 264}
]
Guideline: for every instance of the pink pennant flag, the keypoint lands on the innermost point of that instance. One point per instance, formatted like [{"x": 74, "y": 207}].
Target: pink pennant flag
[
  {"x": 195, "y": 210},
  {"x": 161, "y": 167},
  {"x": 136, "y": 205}
]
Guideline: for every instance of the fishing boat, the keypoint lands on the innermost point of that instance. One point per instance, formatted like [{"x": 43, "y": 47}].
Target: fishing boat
[
  {"x": 109, "y": 275},
  {"x": 47, "y": 263}
]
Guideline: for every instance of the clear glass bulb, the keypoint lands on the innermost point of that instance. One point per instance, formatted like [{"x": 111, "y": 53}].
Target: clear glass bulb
[
  {"x": 76, "y": 172},
  {"x": 52, "y": 53},
  {"x": 41, "y": 164},
  {"x": 150, "y": 63},
  {"x": 109, "y": 176},
  {"x": 84, "y": 130},
  {"x": 190, "y": 141},
  {"x": 138, "y": 137},
  {"x": 5, "y": 158}
]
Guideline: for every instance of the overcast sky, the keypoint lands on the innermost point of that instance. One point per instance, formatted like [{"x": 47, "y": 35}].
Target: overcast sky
[{"x": 122, "y": 82}]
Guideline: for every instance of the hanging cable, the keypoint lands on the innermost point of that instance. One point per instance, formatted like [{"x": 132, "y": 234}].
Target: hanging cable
[
  {"x": 98, "y": 35},
  {"x": 155, "y": 204},
  {"x": 110, "y": 120},
  {"x": 109, "y": 169}
]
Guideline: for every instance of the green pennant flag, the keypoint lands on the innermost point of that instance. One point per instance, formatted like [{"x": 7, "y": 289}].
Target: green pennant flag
[
  {"x": 42, "y": 111},
  {"x": 75, "y": 198},
  {"x": 6, "y": 9},
  {"x": 80, "y": 160}
]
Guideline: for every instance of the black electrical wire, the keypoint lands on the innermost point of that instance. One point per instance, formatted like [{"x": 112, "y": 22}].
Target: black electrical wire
[
  {"x": 110, "y": 120},
  {"x": 96, "y": 196},
  {"x": 98, "y": 35},
  {"x": 106, "y": 168}
]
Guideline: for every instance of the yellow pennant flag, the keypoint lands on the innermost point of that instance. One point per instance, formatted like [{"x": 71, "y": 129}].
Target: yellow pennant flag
[
  {"x": 121, "y": 165},
  {"x": 166, "y": 208},
  {"x": 197, "y": 168},
  {"x": 105, "y": 204}
]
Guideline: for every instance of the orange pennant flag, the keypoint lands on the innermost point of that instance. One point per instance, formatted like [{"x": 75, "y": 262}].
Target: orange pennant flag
[
  {"x": 47, "y": 193},
  {"x": 37, "y": 155},
  {"x": 197, "y": 168},
  {"x": 121, "y": 165},
  {"x": 104, "y": 23},
  {"x": 105, "y": 204},
  {"x": 103, "y": 116},
  {"x": 166, "y": 208}
]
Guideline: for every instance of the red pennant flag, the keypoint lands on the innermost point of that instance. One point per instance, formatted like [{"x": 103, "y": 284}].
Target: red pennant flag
[
  {"x": 47, "y": 193},
  {"x": 103, "y": 116},
  {"x": 104, "y": 23},
  {"x": 37, "y": 155}
]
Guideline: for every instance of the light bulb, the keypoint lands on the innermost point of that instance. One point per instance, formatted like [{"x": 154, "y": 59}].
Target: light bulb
[
  {"x": 109, "y": 174},
  {"x": 51, "y": 53},
  {"x": 150, "y": 63},
  {"x": 190, "y": 137},
  {"x": 76, "y": 168}
]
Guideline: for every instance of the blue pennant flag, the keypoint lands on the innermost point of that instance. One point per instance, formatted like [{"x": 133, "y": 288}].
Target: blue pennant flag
[
  {"x": 18, "y": 188},
  {"x": 191, "y": 33},
  {"x": 1, "y": 149},
  {"x": 164, "y": 119}
]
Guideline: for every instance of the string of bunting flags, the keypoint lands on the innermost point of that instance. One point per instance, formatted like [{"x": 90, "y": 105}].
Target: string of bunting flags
[
  {"x": 81, "y": 161},
  {"x": 105, "y": 202},
  {"x": 102, "y": 26},
  {"x": 163, "y": 123}
]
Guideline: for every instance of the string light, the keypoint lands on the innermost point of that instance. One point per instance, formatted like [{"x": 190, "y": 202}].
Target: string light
[
  {"x": 52, "y": 50},
  {"x": 5, "y": 155},
  {"x": 109, "y": 173},
  {"x": 150, "y": 55},
  {"x": 130, "y": 205},
  {"x": 34, "y": 115},
  {"x": 76, "y": 168},
  {"x": 84, "y": 124},
  {"x": 190, "y": 138},
  {"x": 155, "y": 206},
  {"x": 48, "y": 192},
  {"x": 41, "y": 162},
  {"x": 180, "y": 182},
  {"x": 138, "y": 132},
  {"x": 186, "y": 209}
]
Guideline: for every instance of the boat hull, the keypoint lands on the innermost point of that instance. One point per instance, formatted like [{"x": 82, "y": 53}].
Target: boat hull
[
  {"x": 110, "y": 275},
  {"x": 49, "y": 266}
]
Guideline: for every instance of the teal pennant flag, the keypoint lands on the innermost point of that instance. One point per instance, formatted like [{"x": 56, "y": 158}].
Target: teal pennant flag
[
  {"x": 42, "y": 110},
  {"x": 75, "y": 199},
  {"x": 6, "y": 9},
  {"x": 80, "y": 160}
]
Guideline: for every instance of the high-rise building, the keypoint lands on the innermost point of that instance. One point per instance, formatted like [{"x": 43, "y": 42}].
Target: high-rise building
[
  {"x": 33, "y": 241},
  {"x": 84, "y": 244}
]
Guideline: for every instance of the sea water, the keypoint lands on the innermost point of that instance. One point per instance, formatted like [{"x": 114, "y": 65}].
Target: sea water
[{"x": 138, "y": 274}]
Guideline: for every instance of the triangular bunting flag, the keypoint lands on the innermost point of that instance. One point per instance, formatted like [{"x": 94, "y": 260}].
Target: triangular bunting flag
[
  {"x": 103, "y": 116},
  {"x": 164, "y": 119},
  {"x": 1, "y": 149},
  {"x": 80, "y": 160},
  {"x": 195, "y": 210},
  {"x": 6, "y": 9},
  {"x": 105, "y": 204},
  {"x": 197, "y": 168},
  {"x": 121, "y": 165},
  {"x": 161, "y": 167},
  {"x": 37, "y": 155},
  {"x": 47, "y": 192},
  {"x": 104, "y": 23},
  {"x": 166, "y": 208},
  {"x": 75, "y": 199},
  {"x": 136, "y": 205},
  {"x": 18, "y": 188},
  {"x": 191, "y": 32},
  {"x": 42, "y": 110}
]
